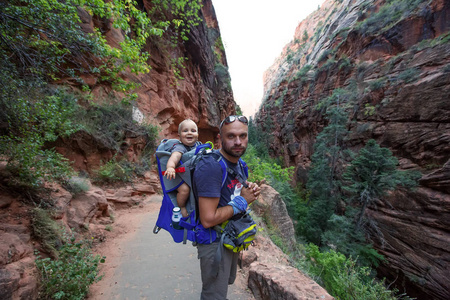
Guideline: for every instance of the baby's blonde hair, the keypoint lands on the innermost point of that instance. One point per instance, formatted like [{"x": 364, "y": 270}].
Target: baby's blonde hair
[{"x": 184, "y": 122}]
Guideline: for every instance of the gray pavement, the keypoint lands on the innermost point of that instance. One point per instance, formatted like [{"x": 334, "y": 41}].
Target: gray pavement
[{"x": 152, "y": 266}]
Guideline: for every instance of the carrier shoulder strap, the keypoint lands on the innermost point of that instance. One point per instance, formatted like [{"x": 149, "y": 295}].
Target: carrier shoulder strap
[
  {"x": 201, "y": 153},
  {"x": 238, "y": 176}
]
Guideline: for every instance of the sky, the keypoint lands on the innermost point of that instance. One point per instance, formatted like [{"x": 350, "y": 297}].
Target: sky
[{"x": 254, "y": 33}]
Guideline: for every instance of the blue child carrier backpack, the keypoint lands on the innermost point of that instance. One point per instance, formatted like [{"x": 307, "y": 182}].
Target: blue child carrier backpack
[{"x": 192, "y": 229}]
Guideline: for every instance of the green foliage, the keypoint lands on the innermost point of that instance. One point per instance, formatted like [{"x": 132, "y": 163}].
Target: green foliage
[
  {"x": 388, "y": 15},
  {"x": 113, "y": 171},
  {"x": 218, "y": 49},
  {"x": 373, "y": 173},
  {"x": 76, "y": 185},
  {"x": 305, "y": 36},
  {"x": 35, "y": 117},
  {"x": 260, "y": 139},
  {"x": 109, "y": 124},
  {"x": 177, "y": 64},
  {"x": 343, "y": 236},
  {"x": 323, "y": 179},
  {"x": 289, "y": 56},
  {"x": 302, "y": 72},
  {"x": 42, "y": 41},
  {"x": 324, "y": 55},
  {"x": 46, "y": 230},
  {"x": 219, "y": 44},
  {"x": 344, "y": 62},
  {"x": 266, "y": 169},
  {"x": 45, "y": 38},
  {"x": 374, "y": 168},
  {"x": 377, "y": 84},
  {"x": 342, "y": 277},
  {"x": 182, "y": 16},
  {"x": 176, "y": 18},
  {"x": 279, "y": 102},
  {"x": 409, "y": 75},
  {"x": 278, "y": 177},
  {"x": 369, "y": 110},
  {"x": 71, "y": 273},
  {"x": 223, "y": 75}
]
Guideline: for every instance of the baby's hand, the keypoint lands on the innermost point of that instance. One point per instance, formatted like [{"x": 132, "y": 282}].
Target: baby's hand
[{"x": 170, "y": 173}]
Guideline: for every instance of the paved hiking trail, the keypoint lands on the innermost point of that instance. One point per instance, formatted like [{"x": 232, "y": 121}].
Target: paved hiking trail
[{"x": 147, "y": 266}]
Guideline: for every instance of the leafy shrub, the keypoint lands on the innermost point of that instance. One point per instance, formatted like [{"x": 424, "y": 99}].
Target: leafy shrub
[
  {"x": 46, "y": 230},
  {"x": 305, "y": 36},
  {"x": 109, "y": 123},
  {"x": 388, "y": 15},
  {"x": 70, "y": 274},
  {"x": 266, "y": 169},
  {"x": 409, "y": 75},
  {"x": 302, "y": 72},
  {"x": 35, "y": 116},
  {"x": 259, "y": 138},
  {"x": 76, "y": 185},
  {"x": 343, "y": 236},
  {"x": 377, "y": 84},
  {"x": 345, "y": 62},
  {"x": 324, "y": 55},
  {"x": 114, "y": 171},
  {"x": 278, "y": 177},
  {"x": 342, "y": 277},
  {"x": 369, "y": 110}
]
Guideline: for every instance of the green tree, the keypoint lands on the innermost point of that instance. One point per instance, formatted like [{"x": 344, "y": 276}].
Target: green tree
[
  {"x": 305, "y": 36},
  {"x": 260, "y": 139},
  {"x": 372, "y": 174},
  {"x": 323, "y": 179}
]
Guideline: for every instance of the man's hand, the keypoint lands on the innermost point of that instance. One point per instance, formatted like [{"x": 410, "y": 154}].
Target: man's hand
[
  {"x": 255, "y": 188},
  {"x": 251, "y": 193}
]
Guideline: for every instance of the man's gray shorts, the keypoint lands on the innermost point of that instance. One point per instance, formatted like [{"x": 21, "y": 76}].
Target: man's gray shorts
[{"x": 216, "y": 288}]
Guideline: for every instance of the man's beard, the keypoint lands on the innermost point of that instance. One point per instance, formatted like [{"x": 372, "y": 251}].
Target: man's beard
[{"x": 230, "y": 152}]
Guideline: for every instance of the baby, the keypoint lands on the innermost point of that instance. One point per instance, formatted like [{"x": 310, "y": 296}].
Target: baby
[{"x": 188, "y": 133}]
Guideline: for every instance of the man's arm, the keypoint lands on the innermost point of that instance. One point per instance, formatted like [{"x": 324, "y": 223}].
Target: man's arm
[{"x": 211, "y": 215}]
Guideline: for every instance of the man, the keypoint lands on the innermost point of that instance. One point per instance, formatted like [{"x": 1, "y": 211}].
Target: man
[{"x": 218, "y": 204}]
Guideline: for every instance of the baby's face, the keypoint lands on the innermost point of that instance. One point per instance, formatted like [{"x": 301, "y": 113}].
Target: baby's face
[{"x": 189, "y": 133}]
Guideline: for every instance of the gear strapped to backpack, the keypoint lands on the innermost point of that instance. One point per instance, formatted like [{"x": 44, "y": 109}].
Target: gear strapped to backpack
[{"x": 235, "y": 234}]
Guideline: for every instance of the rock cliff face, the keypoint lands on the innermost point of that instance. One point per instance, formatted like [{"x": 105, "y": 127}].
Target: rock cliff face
[
  {"x": 199, "y": 90},
  {"x": 392, "y": 61},
  {"x": 204, "y": 94}
]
